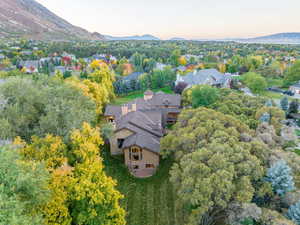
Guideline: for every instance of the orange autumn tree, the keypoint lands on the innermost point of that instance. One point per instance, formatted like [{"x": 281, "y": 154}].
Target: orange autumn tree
[{"x": 94, "y": 197}]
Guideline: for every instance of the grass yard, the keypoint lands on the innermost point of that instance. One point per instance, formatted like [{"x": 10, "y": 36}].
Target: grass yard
[
  {"x": 272, "y": 95},
  {"x": 272, "y": 82},
  {"x": 138, "y": 94},
  {"x": 149, "y": 201}
]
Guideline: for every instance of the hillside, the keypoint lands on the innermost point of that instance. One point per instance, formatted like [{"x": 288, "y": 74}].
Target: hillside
[
  {"x": 146, "y": 37},
  {"x": 28, "y": 18},
  {"x": 280, "y": 38}
]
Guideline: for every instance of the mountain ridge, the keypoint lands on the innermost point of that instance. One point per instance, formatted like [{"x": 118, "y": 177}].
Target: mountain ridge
[
  {"x": 145, "y": 37},
  {"x": 30, "y": 19}
]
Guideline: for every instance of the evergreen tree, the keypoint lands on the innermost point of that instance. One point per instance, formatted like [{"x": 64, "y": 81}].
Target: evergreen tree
[
  {"x": 280, "y": 176},
  {"x": 284, "y": 103},
  {"x": 294, "y": 213},
  {"x": 269, "y": 103},
  {"x": 265, "y": 118},
  {"x": 294, "y": 105}
]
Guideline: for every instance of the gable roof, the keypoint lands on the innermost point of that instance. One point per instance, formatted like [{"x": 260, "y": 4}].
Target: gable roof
[
  {"x": 146, "y": 122},
  {"x": 158, "y": 99},
  {"x": 144, "y": 141},
  {"x": 207, "y": 76}
]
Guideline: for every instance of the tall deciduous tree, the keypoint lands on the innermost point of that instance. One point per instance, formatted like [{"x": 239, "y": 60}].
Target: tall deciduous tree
[
  {"x": 293, "y": 74},
  {"x": 214, "y": 166},
  {"x": 23, "y": 189},
  {"x": 94, "y": 197},
  {"x": 255, "y": 82}
]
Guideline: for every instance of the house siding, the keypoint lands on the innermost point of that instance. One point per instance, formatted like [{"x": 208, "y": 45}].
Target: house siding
[
  {"x": 147, "y": 158},
  {"x": 122, "y": 134}
]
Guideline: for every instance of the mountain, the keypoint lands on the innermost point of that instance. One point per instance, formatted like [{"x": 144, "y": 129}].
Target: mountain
[
  {"x": 29, "y": 19},
  {"x": 146, "y": 37},
  {"x": 177, "y": 39},
  {"x": 280, "y": 38}
]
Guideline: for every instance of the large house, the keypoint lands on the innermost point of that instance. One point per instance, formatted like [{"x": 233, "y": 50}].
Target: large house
[
  {"x": 208, "y": 76},
  {"x": 295, "y": 88},
  {"x": 138, "y": 127},
  {"x": 31, "y": 66}
]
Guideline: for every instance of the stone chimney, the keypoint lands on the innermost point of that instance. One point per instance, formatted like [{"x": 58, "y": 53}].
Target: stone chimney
[
  {"x": 133, "y": 107},
  {"x": 124, "y": 109},
  {"x": 148, "y": 95}
]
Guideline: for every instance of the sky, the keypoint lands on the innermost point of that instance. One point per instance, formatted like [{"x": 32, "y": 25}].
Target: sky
[{"x": 191, "y": 19}]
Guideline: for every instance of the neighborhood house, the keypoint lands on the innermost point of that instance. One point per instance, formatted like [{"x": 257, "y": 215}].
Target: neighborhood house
[
  {"x": 208, "y": 76},
  {"x": 295, "y": 88},
  {"x": 138, "y": 128}
]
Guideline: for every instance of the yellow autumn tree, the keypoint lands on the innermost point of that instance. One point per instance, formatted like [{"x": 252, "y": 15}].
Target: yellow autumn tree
[
  {"x": 222, "y": 68},
  {"x": 95, "y": 91},
  {"x": 94, "y": 197},
  {"x": 96, "y": 64},
  {"x": 51, "y": 150},
  {"x": 105, "y": 77},
  {"x": 182, "y": 61}
]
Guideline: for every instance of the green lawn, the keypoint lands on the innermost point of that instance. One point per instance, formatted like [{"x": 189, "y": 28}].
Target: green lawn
[
  {"x": 149, "y": 201},
  {"x": 272, "y": 82},
  {"x": 138, "y": 94},
  {"x": 272, "y": 95}
]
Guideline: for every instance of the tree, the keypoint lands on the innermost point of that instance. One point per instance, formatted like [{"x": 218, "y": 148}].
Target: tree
[
  {"x": 213, "y": 166},
  {"x": 284, "y": 103},
  {"x": 182, "y": 61},
  {"x": 276, "y": 115},
  {"x": 174, "y": 58},
  {"x": 104, "y": 77},
  {"x": 42, "y": 106},
  {"x": 255, "y": 82},
  {"x": 294, "y": 107},
  {"x": 94, "y": 197},
  {"x": 93, "y": 90},
  {"x": 52, "y": 152},
  {"x": 179, "y": 88},
  {"x": 138, "y": 60},
  {"x": 222, "y": 68},
  {"x": 294, "y": 213},
  {"x": 204, "y": 95},
  {"x": 239, "y": 105},
  {"x": 293, "y": 74},
  {"x": 280, "y": 176},
  {"x": 23, "y": 189}
]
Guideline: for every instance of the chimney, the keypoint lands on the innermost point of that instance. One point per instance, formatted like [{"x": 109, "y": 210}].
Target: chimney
[
  {"x": 148, "y": 95},
  {"x": 124, "y": 109},
  {"x": 133, "y": 107}
]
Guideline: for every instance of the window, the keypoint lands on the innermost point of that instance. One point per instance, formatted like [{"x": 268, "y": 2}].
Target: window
[
  {"x": 150, "y": 166},
  {"x": 135, "y": 167},
  {"x": 136, "y": 154},
  {"x": 136, "y": 157},
  {"x": 120, "y": 143}
]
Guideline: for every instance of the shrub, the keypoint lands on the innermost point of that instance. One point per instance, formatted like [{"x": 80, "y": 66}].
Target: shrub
[
  {"x": 294, "y": 213},
  {"x": 280, "y": 176}
]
